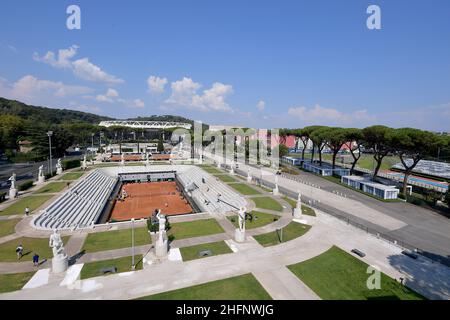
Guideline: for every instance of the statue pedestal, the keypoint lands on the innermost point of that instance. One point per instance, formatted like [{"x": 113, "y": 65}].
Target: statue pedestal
[
  {"x": 12, "y": 193},
  {"x": 249, "y": 179},
  {"x": 161, "y": 248},
  {"x": 275, "y": 191},
  {"x": 122, "y": 163},
  {"x": 60, "y": 263},
  {"x": 297, "y": 213},
  {"x": 239, "y": 236},
  {"x": 232, "y": 171},
  {"x": 218, "y": 165},
  {"x": 59, "y": 171},
  {"x": 41, "y": 180}
]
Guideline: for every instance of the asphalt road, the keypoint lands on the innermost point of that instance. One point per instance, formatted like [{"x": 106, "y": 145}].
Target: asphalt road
[{"x": 24, "y": 172}]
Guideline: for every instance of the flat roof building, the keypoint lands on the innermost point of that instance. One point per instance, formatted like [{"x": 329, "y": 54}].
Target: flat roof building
[{"x": 376, "y": 189}]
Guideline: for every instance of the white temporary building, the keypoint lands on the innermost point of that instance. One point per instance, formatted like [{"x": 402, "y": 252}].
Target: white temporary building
[{"x": 368, "y": 186}]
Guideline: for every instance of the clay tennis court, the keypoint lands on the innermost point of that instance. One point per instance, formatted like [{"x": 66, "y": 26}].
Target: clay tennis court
[
  {"x": 128, "y": 157},
  {"x": 143, "y": 198}
]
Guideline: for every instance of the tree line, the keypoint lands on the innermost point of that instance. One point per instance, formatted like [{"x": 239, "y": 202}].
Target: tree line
[{"x": 409, "y": 144}]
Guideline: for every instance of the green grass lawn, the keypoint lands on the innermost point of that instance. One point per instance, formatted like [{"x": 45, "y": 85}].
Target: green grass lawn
[
  {"x": 52, "y": 187},
  {"x": 191, "y": 253},
  {"x": 71, "y": 176},
  {"x": 7, "y": 226},
  {"x": 305, "y": 209},
  {"x": 337, "y": 275},
  {"x": 225, "y": 178},
  {"x": 244, "y": 189},
  {"x": 33, "y": 202},
  {"x": 260, "y": 219},
  {"x": 116, "y": 239},
  {"x": 212, "y": 170},
  {"x": 191, "y": 229},
  {"x": 30, "y": 246},
  {"x": 291, "y": 231},
  {"x": 14, "y": 281},
  {"x": 244, "y": 287},
  {"x": 267, "y": 203},
  {"x": 92, "y": 269}
]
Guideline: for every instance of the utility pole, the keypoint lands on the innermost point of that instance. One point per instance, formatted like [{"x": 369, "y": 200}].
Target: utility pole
[{"x": 49, "y": 134}]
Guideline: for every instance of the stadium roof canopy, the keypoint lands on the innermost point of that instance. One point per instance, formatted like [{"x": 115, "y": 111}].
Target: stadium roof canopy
[{"x": 145, "y": 124}]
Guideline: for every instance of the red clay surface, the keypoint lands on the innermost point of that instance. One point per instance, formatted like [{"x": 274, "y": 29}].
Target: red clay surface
[
  {"x": 143, "y": 198},
  {"x": 128, "y": 157},
  {"x": 160, "y": 157}
]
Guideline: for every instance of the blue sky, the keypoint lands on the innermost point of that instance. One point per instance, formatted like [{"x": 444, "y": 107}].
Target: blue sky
[{"x": 253, "y": 63}]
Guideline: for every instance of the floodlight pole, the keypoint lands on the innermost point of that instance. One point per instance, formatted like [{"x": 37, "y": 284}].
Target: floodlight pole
[
  {"x": 49, "y": 134},
  {"x": 132, "y": 244}
]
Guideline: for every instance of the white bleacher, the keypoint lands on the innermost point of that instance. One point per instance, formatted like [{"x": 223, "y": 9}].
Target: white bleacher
[
  {"x": 206, "y": 194},
  {"x": 79, "y": 207}
]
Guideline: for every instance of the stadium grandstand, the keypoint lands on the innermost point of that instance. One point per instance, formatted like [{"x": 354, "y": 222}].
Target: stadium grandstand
[{"x": 92, "y": 199}]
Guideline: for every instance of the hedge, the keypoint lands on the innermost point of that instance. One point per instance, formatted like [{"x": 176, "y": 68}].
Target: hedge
[
  {"x": 69, "y": 164},
  {"x": 25, "y": 186}
]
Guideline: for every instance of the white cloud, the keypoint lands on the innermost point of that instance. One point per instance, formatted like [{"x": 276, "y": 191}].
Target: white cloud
[
  {"x": 156, "y": 84},
  {"x": 329, "y": 116},
  {"x": 86, "y": 70},
  {"x": 110, "y": 96},
  {"x": 30, "y": 89},
  {"x": 261, "y": 105},
  {"x": 138, "y": 103},
  {"x": 63, "y": 60},
  {"x": 184, "y": 94},
  {"x": 82, "y": 68}
]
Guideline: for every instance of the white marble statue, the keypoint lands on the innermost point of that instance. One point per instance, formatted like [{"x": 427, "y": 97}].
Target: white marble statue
[
  {"x": 122, "y": 159},
  {"x": 84, "y": 164},
  {"x": 13, "y": 181},
  {"x": 13, "y": 189},
  {"x": 161, "y": 245},
  {"x": 161, "y": 221},
  {"x": 241, "y": 215},
  {"x": 239, "y": 233},
  {"x": 60, "y": 259},
  {"x": 249, "y": 176},
  {"x": 298, "y": 208},
  {"x": 56, "y": 244},
  {"x": 275, "y": 190},
  {"x": 41, "y": 176},
  {"x": 59, "y": 168},
  {"x": 41, "y": 171}
]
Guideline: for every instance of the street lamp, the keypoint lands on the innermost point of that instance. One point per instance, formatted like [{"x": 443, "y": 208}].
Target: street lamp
[
  {"x": 132, "y": 244},
  {"x": 49, "y": 134}
]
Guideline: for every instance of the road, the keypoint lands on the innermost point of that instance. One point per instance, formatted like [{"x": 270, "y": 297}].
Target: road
[
  {"x": 24, "y": 171},
  {"x": 413, "y": 225}
]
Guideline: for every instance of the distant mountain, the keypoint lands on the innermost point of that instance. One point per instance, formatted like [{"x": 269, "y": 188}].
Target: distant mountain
[{"x": 48, "y": 115}]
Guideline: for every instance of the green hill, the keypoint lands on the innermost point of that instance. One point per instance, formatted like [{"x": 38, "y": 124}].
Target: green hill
[{"x": 48, "y": 115}]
